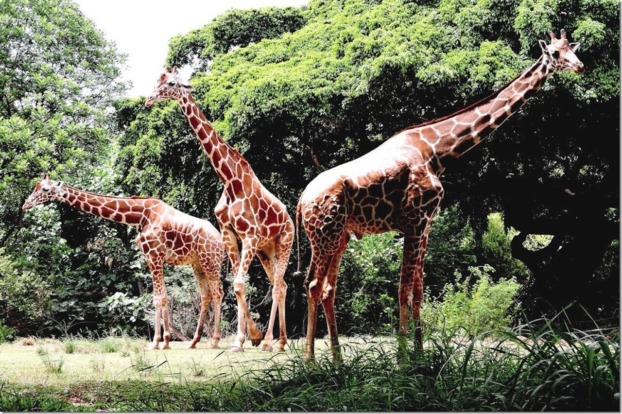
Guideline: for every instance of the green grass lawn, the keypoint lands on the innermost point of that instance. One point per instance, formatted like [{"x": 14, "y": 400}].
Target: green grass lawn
[
  {"x": 51, "y": 362},
  {"x": 550, "y": 371}
]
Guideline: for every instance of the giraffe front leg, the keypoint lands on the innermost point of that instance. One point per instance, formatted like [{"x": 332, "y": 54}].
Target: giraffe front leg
[
  {"x": 280, "y": 299},
  {"x": 405, "y": 292},
  {"x": 417, "y": 287},
  {"x": 328, "y": 298}
]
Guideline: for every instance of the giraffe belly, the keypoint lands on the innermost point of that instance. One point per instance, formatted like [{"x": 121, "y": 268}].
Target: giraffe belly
[{"x": 372, "y": 218}]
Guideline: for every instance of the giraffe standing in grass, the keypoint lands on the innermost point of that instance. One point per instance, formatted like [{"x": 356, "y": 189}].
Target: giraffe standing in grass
[
  {"x": 397, "y": 187},
  {"x": 246, "y": 212},
  {"x": 165, "y": 236}
]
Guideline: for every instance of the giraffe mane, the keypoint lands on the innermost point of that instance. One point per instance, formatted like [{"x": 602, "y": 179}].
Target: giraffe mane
[{"x": 109, "y": 196}]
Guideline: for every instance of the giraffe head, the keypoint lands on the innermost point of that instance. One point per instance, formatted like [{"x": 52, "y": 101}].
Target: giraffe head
[
  {"x": 170, "y": 86},
  {"x": 45, "y": 190},
  {"x": 560, "y": 54}
]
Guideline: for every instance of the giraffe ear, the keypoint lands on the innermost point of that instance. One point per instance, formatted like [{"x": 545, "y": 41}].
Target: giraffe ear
[
  {"x": 574, "y": 46},
  {"x": 544, "y": 47},
  {"x": 188, "y": 88}
]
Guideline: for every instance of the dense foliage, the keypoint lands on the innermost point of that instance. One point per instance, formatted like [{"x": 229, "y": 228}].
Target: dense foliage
[
  {"x": 298, "y": 91},
  {"x": 58, "y": 77}
]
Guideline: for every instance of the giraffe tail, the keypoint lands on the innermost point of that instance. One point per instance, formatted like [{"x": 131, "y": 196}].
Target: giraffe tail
[{"x": 297, "y": 273}]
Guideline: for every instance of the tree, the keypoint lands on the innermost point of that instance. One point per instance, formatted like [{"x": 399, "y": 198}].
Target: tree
[
  {"x": 358, "y": 71},
  {"x": 58, "y": 77}
]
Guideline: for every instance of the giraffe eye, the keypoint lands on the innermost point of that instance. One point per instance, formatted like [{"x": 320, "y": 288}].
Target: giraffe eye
[
  {"x": 555, "y": 54},
  {"x": 171, "y": 83},
  {"x": 46, "y": 188}
]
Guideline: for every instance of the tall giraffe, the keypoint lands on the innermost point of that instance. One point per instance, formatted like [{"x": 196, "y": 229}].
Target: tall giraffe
[
  {"x": 165, "y": 236},
  {"x": 246, "y": 212},
  {"x": 397, "y": 187}
]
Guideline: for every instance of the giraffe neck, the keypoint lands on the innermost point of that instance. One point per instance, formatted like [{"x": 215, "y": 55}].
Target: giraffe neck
[
  {"x": 126, "y": 210},
  {"x": 227, "y": 161},
  {"x": 454, "y": 135}
]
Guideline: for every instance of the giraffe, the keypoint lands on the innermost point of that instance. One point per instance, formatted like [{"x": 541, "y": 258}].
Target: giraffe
[
  {"x": 397, "y": 187},
  {"x": 247, "y": 213},
  {"x": 165, "y": 236}
]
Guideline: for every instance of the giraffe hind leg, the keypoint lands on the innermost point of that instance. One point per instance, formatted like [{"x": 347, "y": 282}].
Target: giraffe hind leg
[
  {"x": 201, "y": 280},
  {"x": 275, "y": 263},
  {"x": 160, "y": 304},
  {"x": 249, "y": 250}
]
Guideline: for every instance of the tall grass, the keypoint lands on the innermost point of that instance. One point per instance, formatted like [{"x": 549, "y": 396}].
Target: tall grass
[{"x": 551, "y": 369}]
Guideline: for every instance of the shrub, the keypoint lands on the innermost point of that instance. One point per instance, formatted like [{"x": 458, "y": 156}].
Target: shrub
[
  {"x": 473, "y": 306},
  {"x": 497, "y": 250},
  {"x": 24, "y": 299}
]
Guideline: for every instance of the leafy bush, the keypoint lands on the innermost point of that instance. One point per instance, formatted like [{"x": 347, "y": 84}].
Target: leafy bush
[
  {"x": 368, "y": 283},
  {"x": 497, "y": 251},
  {"x": 24, "y": 299},
  {"x": 6, "y": 333},
  {"x": 370, "y": 272},
  {"x": 473, "y": 306}
]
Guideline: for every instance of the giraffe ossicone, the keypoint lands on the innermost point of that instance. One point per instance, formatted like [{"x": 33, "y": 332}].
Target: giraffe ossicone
[
  {"x": 246, "y": 212},
  {"x": 397, "y": 187},
  {"x": 165, "y": 236}
]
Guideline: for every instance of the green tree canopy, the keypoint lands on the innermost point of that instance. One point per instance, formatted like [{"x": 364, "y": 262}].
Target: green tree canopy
[
  {"x": 358, "y": 71},
  {"x": 59, "y": 77}
]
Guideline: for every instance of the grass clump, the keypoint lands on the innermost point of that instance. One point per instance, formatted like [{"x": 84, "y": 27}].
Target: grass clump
[
  {"x": 53, "y": 366},
  {"x": 111, "y": 344}
]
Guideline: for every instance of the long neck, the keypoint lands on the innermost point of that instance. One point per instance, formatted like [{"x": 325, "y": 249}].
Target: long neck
[
  {"x": 454, "y": 135},
  {"x": 227, "y": 161},
  {"x": 124, "y": 210}
]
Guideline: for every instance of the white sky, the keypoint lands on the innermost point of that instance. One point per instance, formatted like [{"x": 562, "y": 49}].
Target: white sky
[{"x": 142, "y": 29}]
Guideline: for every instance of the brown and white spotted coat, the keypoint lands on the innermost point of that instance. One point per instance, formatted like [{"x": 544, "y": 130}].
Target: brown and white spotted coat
[
  {"x": 246, "y": 212},
  {"x": 397, "y": 187},
  {"x": 165, "y": 236}
]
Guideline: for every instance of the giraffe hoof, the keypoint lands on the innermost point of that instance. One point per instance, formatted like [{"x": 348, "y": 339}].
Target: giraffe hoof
[
  {"x": 236, "y": 349},
  {"x": 266, "y": 347},
  {"x": 255, "y": 341},
  {"x": 154, "y": 347}
]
